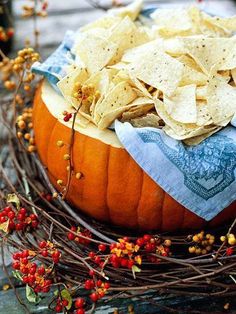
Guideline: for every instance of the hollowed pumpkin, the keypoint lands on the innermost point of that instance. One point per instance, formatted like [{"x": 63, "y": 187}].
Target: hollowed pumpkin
[{"x": 113, "y": 188}]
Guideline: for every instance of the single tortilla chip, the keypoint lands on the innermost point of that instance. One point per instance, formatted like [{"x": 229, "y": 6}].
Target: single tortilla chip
[
  {"x": 113, "y": 104},
  {"x": 157, "y": 69},
  {"x": 96, "y": 52},
  {"x": 126, "y": 35},
  {"x": 149, "y": 120},
  {"x": 212, "y": 53},
  {"x": 132, "y": 10},
  {"x": 221, "y": 100},
  {"x": 203, "y": 114},
  {"x": 172, "y": 22},
  {"x": 181, "y": 106}
]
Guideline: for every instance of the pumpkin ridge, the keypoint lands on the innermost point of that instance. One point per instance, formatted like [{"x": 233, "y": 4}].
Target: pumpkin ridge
[
  {"x": 107, "y": 172},
  {"x": 82, "y": 163},
  {"x": 162, "y": 212},
  {"x": 49, "y": 141},
  {"x": 140, "y": 195}
]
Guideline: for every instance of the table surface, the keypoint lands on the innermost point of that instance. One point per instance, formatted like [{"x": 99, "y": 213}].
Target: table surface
[{"x": 71, "y": 14}]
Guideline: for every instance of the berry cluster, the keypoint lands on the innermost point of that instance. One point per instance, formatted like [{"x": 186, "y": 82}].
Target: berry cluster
[
  {"x": 25, "y": 126},
  {"x": 230, "y": 240},
  {"x": 36, "y": 276},
  {"x": 61, "y": 304},
  {"x": 79, "y": 305},
  {"x": 86, "y": 94},
  {"x": 124, "y": 253},
  {"x": 38, "y": 8},
  {"x": 18, "y": 220},
  {"x": 67, "y": 116},
  {"x": 98, "y": 287},
  {"x": 6, "y": 34},
  {"x": 47, "y": 249},
  {"x": 203, "y": 243},
  {"x": 86, "y": 235},
  {"x": 13, "y": 69}
]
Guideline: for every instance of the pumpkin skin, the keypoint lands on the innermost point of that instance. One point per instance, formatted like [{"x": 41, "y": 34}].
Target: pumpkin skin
[{"x": 113, "y": 188}]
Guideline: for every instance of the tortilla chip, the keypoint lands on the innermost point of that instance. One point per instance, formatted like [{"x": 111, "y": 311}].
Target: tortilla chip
[
  {"x": 181, "y": 106},
  {"x": 221, "y": 100},
  {"x": 211, "y": 53},
  {"x": 157, "y": 69},
  {"x": 126, "y": 35},
  {"x": 96, "y": 52},
  {"x": 172, "y": 22},
  {"x": 149, "y": 120},
  {"x": 132, "y": 10},
  {"x": 113, "y": 104},
  {"x": 198, "y": 139},
  {"x": 203, "y": 115}
]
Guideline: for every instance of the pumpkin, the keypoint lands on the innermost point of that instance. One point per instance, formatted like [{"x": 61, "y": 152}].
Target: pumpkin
[{"x": 112, "y": 188}]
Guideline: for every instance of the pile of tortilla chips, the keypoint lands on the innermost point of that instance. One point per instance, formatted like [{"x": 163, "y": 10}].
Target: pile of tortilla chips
[{"x": 177, "y": 73}]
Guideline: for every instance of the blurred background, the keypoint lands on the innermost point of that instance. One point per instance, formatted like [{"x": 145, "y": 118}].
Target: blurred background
[{"x": 71, "y": 14}]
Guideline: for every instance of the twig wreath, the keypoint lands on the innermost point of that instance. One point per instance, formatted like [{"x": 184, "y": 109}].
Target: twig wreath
[{"x": 56, "y": 248}]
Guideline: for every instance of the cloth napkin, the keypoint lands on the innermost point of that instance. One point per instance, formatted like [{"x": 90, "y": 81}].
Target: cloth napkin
[{"x": 202, "y": 177}]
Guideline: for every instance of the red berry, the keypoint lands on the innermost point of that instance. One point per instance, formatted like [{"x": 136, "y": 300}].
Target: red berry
[
  {"x": 140, "y": 241},
  {"x": 21, "y": 217},
  {"x": 97, "y": 260},
  {"x": 24, "y": 260},
  {"x": 58, "y": 308},
  {"x": 149, "y": 247},
  {"x": 34, "y": 223},
  {"x": 11, "y": 225},
  {"x": 147, "y": 237},
  {"x": 19, "y": 226},
  {"x": 42, "y": 244},
  {"x": 80, "y": 311},
  {"x": 37, "y": 289},
  {"x": 41, "y": 270},
  {"x": 23, "y": 211},
  {"x": 229, "y": 251},
  {"x": 31, "y": 279},
  {"x": 46, "y": 289},
  {"x": 65, "y": 303},
  {"x": 16, "y": 255},
  {"x": 79, "y": 302},
  {"x": 33, "y": 217},
  {"x": 99, "y": 283},
  {"x": 56, "y": 254},
  {"x": 16, "y": 265},
  {"x": 126, "y": 239},
  {"x": 55, "y": 260},
  {"x": 32, "y": 270},
  {"x": 102, "y": 247},
  {"x": 73, "y": 228},
  {"x": 44, "y": 253},
  {"x": 106, "y": 285},
  {"x": 25, "y": 279},
  {"x": 70, "y": 236},
  {"x": 10, "y": 33},
  {"x": 3, "y": 219},
  {"x": 11, "y": 215},
  {"x": 89, "y": 284},
  {"x": 67, "y": 117},
  {"x": 24, "y": 270},
  {"x": 91, "y": 272},
  {"x": 25, "y": 253},
  {"x": 130, "y": 263},
  {"x": 92, "y": 255},
  {"x": 94, "y": 296},
  {"x": 124, "y": 262},
  {"x": 7, "y": 209}
]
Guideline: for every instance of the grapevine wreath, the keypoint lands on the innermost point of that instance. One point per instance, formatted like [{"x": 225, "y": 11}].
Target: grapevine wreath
[{"x": 74, "y": 186}]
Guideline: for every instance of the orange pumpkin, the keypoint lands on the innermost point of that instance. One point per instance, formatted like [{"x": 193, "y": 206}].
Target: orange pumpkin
[{"x": 113, "y": 187}]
